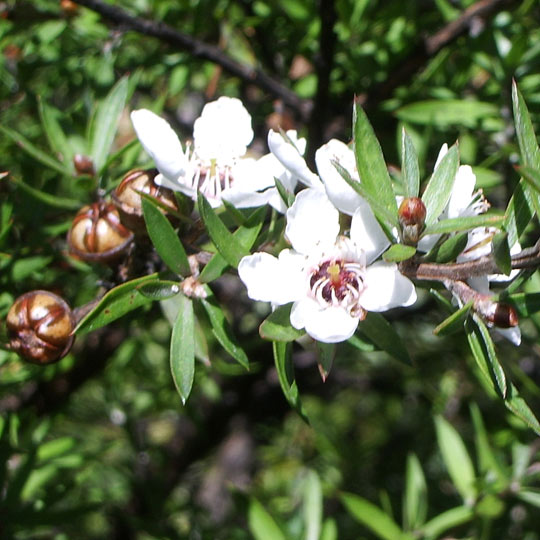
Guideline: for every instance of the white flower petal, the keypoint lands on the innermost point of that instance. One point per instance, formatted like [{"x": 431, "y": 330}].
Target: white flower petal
[
  {"x": 288, "y": 154},
  {"x": 326, "y": 324},
  {"x": 462, "y": 192},
  {"x": 367, "y": 233},
  {"x": 312, "y": 222},
  {"x": 386, "y": 288},
  {"x": 511, "y": 334},
  {"x": 339, "y": 192},
  {"x": 160, "y": 142},
  {"x": 223, "y": 131},
  {"x": 442, "y": 152},
  {"x": 270, "y": 279}
]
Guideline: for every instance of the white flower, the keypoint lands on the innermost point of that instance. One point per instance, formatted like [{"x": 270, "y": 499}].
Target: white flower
[
  {"x": 331, "y": 279},
  {"x": 216, "y": 165}
]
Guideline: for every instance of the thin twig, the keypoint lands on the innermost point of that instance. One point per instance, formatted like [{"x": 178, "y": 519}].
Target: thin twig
[{"x": 202, "y": 50}]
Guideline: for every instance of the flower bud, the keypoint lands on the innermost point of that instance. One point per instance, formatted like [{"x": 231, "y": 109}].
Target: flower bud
[
  {"x": 127, "y": 199},
  {"x": 411, "y": 215},
  {"x": 39, "y": 325},
  {"x": 96, "y": 233},
  {"x": 69, "y": 8},
  {"x": 503, "y": 316},
  {"x": 83, "y": 164}
]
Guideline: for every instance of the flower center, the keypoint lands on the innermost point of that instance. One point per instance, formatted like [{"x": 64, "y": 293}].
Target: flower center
[
  {"x": 210, "y": 177},
  {"x": 339, "y": 283}
]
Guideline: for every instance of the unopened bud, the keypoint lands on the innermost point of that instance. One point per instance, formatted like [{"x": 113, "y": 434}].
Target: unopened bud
[
  {"x": 96, "y": 233},
  {"x": 40, "y": 326},
  {"x": 504, "y": 316},
  {"x": 412, "y": 216},
  {"x": 83, "y": 164}
]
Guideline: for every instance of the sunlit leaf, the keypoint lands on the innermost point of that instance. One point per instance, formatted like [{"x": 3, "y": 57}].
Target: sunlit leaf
[
  {"x": 398, "y": 253},
  {"x": 415, "y": 497},
  {"x": 455, "y": 322},
  {"x": 409, "y": 166},
  {"x": 277, "y": 326},
  {"x": 261, "y": 524},
  {"x": 313, "y": 506}
]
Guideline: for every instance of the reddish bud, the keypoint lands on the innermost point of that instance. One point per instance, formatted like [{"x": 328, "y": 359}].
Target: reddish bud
[
  {"x": 504, "y": 316},
  {"x": 411, "y": 215},
  {"x": 40, "y": 326},
  {"x": 83, "y": 164}
]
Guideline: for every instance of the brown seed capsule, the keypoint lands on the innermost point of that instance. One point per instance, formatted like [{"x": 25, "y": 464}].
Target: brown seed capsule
[
  {"x": 96, "y": 233},
  {"x": 39, "y": 324},
  {"x": 504, "y": 316},
  {"x": 83, "y": 164},
  {"x": 128, "y": 201},
  {"x": 411, "y": 215}
]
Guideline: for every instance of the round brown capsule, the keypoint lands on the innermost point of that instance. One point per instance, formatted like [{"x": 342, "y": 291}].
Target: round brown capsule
[
  {"x": 83, "y": 164},
  {"x": 127, "y": 199},
  {"x": 39, "y": 325},
  {"x": 96, "y": 233}
]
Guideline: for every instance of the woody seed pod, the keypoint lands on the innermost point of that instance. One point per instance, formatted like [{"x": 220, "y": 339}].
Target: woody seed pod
[
  {"x": 127, "y": 199},
  {"x": 39, "y": 325},
  {"x": 96, "y": 233}
]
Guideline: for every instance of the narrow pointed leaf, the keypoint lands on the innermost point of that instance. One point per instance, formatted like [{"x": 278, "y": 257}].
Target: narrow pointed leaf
[
  {"x": 455, "y": 322},
  {"x": 326, "y": 352},
  {"x": 371, "y": 165},
  {"x": 415, "y": 499},
  {"x": 484, "y": 353},
  {"x": 501, "y": 253},
  {"x": 530, "y": 496},
  {"x": 515, "y": 403},
  {"x": 245, "y": 236},
  {"x": 115, "y": 304},
  {"x": 449, "y": 249},
  {"x": 229, "y": 247},
  {"x": 261, "y": 524},
  {"x": 39, "y": 155},
  {"x": 47, "y": 198},
  {"x": 382, "y": 333},
  {"x": 57, "y": 139},
  {"x": 277, "y": 326},
  {"x": 439, "y": 188},
  {"x": 165, "y": 239},
  {"x": 457, "y": 460},
  {"x": 286, "y": 196},
  {"x": 409, "y": 166},
  {"x": 222, "y": 330},
  {"x": 159, "y": 289},
  {"x": 519, "y": 212},
  {"x": 313, "y": 506},
  {"x": 532, "y": 176},
  {"x": 371, "y": 516},
  {"x": 105, "y": 123},
  {"x": 526, "y": 303},
  {"x": 447, "y": 520},
  {"x": 463, "y": 224},
  {"x": 398, "y": 253},
  {"x": 183, "y": 349},
  {"x": 528, "y": 144}
]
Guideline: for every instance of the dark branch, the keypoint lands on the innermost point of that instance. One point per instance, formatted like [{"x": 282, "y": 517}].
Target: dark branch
[{"x": 201, "y": 50}]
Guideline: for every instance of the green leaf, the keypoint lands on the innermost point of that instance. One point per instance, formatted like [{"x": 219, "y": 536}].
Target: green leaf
[
  {"x": 371, "y": 516},
  {"x": 415, "y": 498},
  {"x": 326, "y": 352},
  {"x": 439, "y": 188},
  {"x": 313, "y": 506},
  {"x": 501, "y": 253},
  {"x": 261, "y": 524},
  {"x": 245, "y": 236},
  {"x": 530, "y": 496},
  {"x": 526, "y": 304},
  {"x": 222, "y": 330},
  {"x": 165, "y": 239},
  {"x": 329, "y": 530},
  {"x": 57, "y": 139},
  {"x": 447, "y": 520},
  {"x": 449, "y": 249},
  {"x": 519, "y": 213},
  {"x": 115, "y": 304},
  {"x": 452, "y": 225},
  {"x": 277, "y": 326},
  {"x": 532, "y": 176},
  {"x": 376, "y": 328},
  {"x": 286, "y": 196},
  {"x": 47, "y": 198},
  {"x": 398, "y": 253},
  {"x": 183, "y": 348},
  {"x": 455, "y": 322},
  {"x": 159, "y": 289},
  {"x": 54, "y": 448},
  {"x": 285, "y": 371},
  {"x": 486, "y": 357},
  {"x": 24, "y": 267},
  {"x": 371, "y": 165},
  {"x": 448, "y": 112},
  {"x": 35, "y": 152},
  {"x": 105, "y": 123},
  {"x": 515, "y": 403},
  {"x": 409, "y": 166},
  {"x": 528, "y": 145},
  {"x": 457, "y": 460},
  {"x": 229, "y": 247}
]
